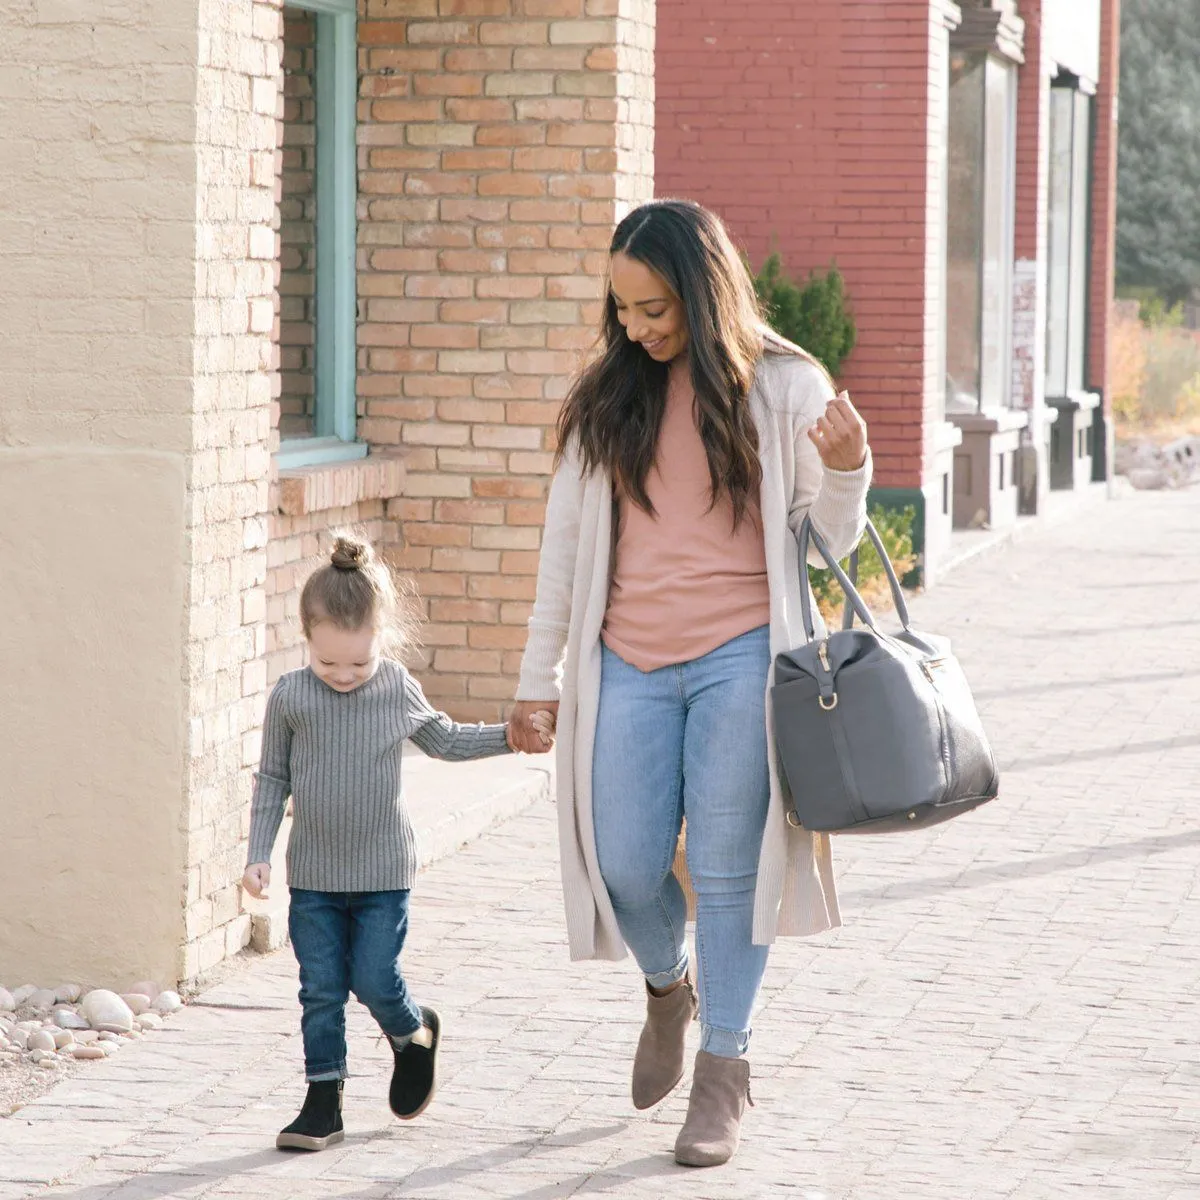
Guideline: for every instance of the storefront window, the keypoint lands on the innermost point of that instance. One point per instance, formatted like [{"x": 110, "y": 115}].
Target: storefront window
[
  {"x": 979, "y": 248},
  {"x": 1067, "y": 275}
]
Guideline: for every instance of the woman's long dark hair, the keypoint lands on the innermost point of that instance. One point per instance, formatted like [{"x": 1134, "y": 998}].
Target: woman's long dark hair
[{"x": 614, "y": 410}]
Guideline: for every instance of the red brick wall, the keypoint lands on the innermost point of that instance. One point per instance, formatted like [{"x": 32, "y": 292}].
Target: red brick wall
[
  {"x": 1104, "y": 201},
  {"x": 1032, "y": 133},
  {"x": 807, "y": 127},
  {"x": 1029, "y": 234}
]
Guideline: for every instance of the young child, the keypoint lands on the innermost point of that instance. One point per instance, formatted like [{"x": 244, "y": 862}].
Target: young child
[{"x": 332, "y": 740}]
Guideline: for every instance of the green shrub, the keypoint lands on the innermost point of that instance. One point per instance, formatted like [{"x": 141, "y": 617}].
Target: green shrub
[
  {"x": 1172, "y": 377},
  {"x": 1155, "y": 312},
  {"x": 814, "y": 315},
  {"x": 895, "y": 527}
]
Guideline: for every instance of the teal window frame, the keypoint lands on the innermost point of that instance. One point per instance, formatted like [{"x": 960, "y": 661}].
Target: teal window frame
[{"x": 335, "y": 405}]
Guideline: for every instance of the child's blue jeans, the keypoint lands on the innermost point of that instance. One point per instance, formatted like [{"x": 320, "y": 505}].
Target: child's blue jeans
[{"x": 348, "y": 942}]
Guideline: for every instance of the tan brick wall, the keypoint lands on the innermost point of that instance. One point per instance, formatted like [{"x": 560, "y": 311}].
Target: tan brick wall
[
  {"x": 495, "y": 158},
  {"x": 299, "y": 544},
  {"x": 236, "y": 385},
  {"x": 297, "y": 211}
]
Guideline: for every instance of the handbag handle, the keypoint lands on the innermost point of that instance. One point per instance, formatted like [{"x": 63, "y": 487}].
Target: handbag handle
[
  {"x": 855, "y": 603},
  {"x": 897, "y": 591}
]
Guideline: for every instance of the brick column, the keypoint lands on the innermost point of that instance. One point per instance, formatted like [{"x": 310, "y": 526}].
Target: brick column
[
  {"x": 1029, "y": 254},
  {"x": 498, "y": 147},
  {"x": 1104, "y": 202},
  {"x": 236, "y": 381}
]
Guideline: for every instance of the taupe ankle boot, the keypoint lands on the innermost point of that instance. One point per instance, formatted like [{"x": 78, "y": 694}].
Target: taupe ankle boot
[
  {"x": 720, "y": 1090},
  {"x": 658, "y": 1063}
]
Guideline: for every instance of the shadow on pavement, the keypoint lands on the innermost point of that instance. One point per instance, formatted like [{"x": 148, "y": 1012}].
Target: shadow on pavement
[
  {"x": 1081, "y": 685},
  {"x": 1028, "y": 868},
  {"x": 1115, "y": 751}
]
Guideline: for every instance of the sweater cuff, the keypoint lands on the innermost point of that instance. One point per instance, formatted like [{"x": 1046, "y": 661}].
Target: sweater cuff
[
  {"x": 843, "y": 494},
  {"x": 493, "y": 741},
  {"x": 541, "y": 678}
]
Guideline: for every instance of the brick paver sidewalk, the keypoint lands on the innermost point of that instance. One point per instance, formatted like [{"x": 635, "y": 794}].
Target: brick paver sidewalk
[{"x": 1010, "y": 1011}]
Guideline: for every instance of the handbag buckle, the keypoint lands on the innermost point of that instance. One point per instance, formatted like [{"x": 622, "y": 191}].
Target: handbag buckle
[{"x": 833, "y": 702}]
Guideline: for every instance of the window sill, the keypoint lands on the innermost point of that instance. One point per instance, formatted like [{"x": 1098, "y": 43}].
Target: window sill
[
  {"x": 323, "y": 486},
  {"x": 994, "y": 420},
  {"x": 1074, "y": 401},
  {"x": 317, "y": 451}
]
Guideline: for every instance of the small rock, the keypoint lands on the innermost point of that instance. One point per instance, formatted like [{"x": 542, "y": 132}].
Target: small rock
[
  {"x": 63, "y": 1038},
  {"x": 68, "y": 993},
  {"x": 132, "y": 1034},
  {"x": 66, "y": 1018},
  {"x": 82, "y": 1051},
  {"x": 7, "y": 1003},
  {"x": 148, "y": 1021},
  {"x": 167, "y": 1002},
  {"x": 107, "y": 1035},
  {"x": 42, "y": 1040},
  {"x": 20, "y": 1038},
  {"x": 23, "y": 993},
  {"x": 108, "y": 1048},
  {"x": 147, "y": 988},
  {"x": 48, "y": 1064},
  {"x": 86, "y": 1037},
  {"x": 29, "y": 1026},
  {"x": 138, "y": 1003},
  {"x": 106, "y": 1010},
  {"x": 42, "y": 998}
]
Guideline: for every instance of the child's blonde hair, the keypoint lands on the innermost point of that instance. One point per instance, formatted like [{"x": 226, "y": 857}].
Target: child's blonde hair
[{"x": 354, "y": 590}]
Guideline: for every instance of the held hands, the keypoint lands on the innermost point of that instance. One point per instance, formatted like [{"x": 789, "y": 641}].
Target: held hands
[
  {"x": 257, "y": 879},
  {"x": 531, "y": 726},
  {"x": 840, "y": 436}
]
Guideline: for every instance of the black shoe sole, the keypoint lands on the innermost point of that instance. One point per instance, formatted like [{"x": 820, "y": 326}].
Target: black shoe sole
[{"x": 433, "y": 1023}]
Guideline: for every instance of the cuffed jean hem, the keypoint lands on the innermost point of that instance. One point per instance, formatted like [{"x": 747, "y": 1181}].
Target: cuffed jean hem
[
  {"x": 664, "y": 979},
  {"x": 325, "y": 1076},
  {"x": 418, "y": 1022},
  {"x": 724, "y": 1043}
]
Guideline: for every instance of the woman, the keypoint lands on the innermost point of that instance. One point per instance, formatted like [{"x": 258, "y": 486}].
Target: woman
[{"x": 690, "y": 452}]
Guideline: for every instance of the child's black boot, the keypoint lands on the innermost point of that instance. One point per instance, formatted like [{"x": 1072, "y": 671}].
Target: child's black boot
[
  {"x": 414, "y": 1076},
  {"x": 320, "y": 1121}
]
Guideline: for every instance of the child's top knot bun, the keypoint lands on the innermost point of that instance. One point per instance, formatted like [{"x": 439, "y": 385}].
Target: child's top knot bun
[{"x": 350, "y": 555}]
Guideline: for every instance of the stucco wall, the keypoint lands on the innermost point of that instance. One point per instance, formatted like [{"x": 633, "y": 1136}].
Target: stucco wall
[
  {"x": 91, "y": 708},
  {"x": 97, "y": 235}
]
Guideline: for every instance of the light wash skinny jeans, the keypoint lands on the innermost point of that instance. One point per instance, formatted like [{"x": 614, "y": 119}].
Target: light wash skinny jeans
[{"x": 687, "y": 740}]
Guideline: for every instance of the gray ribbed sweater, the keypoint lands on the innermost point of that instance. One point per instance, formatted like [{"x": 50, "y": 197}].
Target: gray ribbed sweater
[{"x": 338, "y": 755}]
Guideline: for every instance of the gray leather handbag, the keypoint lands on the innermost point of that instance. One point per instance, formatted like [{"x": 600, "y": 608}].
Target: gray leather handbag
[{"x": 875, "y": 732}]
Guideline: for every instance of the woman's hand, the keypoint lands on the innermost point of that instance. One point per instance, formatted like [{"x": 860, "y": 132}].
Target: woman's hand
[
  {"x": 524, "y": 735},
  {"x": 840, "y": 436}
]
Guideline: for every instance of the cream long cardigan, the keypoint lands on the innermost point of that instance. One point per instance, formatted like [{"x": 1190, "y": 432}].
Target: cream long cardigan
[{"x": 795, "y": 890}]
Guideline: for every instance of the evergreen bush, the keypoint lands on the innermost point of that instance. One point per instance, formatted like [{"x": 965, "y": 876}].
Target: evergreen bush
[{"x": 814, "y": 314}]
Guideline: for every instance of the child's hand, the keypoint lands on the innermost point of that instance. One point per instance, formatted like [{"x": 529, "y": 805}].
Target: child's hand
[
  {"x": 544, "y": 722},
  {"x": 531, "y": 726},
  {"x": 256, "y": 880}
]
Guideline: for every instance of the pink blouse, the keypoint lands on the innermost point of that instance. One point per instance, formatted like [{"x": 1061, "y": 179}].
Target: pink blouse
[{"x": 685, "y": 581}]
